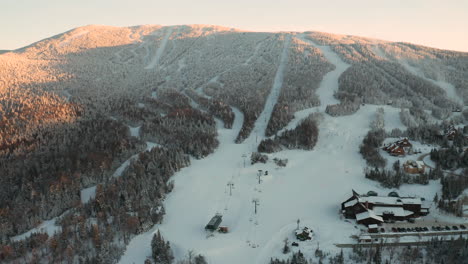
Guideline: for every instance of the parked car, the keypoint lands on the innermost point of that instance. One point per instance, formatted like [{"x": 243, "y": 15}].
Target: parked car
[
  {"x": 394, "y": 229},
  {"x": 463, "y": 227},
  {"x": 382, "y": 230},
  {"x": 425, "y": 229},
  {"x": 447, "y": 228},
  {"x": 434, "y": 228},
  {"x": 454, "y": 227}
]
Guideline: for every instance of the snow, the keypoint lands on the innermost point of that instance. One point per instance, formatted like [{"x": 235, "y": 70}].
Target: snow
[
  {"x": 368, "y": 214},
  {"x": 396, "y": 211},
  {"x": 310, "y": 188},
  {"x": 329, "y": 83},
  {"x": 49, "y": 227},
  {"x": 427, "y": 160},
  {"x": 262, "y": 120},
  {"x": 134, "y": 131},
  {"x": 118, "y": 172},
  {"x": 88, "y": 194},
  {"x": 447, "y": 87},
  {"x": 151, "y": 145},
  {"x": 67, "y": 95},
  {"x": 72, "y": 37},
  {"x": 155, "y": 60}
]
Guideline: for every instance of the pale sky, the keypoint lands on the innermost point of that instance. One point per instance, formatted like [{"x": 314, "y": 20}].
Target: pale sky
[{"x": 436, "y": 23}]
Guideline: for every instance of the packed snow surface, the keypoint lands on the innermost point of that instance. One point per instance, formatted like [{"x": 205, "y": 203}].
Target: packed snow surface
[
  {"x": 310, "y": 188},
  {"x": 159, "y": 52},
  {"x": 88, "y": 194}
]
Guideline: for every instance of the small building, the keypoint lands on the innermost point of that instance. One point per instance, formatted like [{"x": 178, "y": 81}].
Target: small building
[
  {"x": 223, "y": 229},
  {"x": 214, "y": 223},
  {"x": 414, "y": 167},
  {"x": 365, "y": 239},
  {"x": 373, "y": 228}
]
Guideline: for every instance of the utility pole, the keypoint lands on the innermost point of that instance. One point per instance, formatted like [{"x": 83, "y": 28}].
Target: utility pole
[
  {"x": 259, "y": 176},
  {"x": 298, "y": 221},
  {"x": 255, "y": 201},
  {"x": 244, "y": 156},
  {"x": 231, "y": 186}
]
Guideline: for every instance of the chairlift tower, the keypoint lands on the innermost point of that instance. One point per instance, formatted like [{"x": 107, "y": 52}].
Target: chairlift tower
[
  {"x": 255, "y": 201},
  {"x": 259, "y": 176},
  {"x": 231, "y": 186}
]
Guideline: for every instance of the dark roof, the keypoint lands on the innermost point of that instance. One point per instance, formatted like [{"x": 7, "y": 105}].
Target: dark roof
[{"x": 214, "y": 222}]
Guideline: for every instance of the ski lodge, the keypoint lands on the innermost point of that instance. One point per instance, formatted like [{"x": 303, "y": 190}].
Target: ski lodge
[{"x": 372, "y": 209}]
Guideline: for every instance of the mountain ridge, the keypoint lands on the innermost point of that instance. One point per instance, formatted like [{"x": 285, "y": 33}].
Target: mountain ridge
[{"x": 224, "y": 28}]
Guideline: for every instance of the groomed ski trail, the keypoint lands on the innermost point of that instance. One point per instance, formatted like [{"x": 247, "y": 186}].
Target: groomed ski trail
[
  {"x": 155, "y": 61},
  {"x": 258, "y": 132}
]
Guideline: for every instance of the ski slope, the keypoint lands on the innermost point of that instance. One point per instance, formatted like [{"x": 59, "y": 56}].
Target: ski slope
[
  {"x": 447, "y": 87},
  {"x": 310, "y": 188},
  {"x": 155, "y": 60},
  {"x": 262, "y": 121}
]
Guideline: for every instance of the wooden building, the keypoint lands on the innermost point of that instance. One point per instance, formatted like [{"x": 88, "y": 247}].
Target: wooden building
[
  {"x": 369, "y": 210},
  {"x": 399, "y": 148},
  {"x": 414, "y": 167}
]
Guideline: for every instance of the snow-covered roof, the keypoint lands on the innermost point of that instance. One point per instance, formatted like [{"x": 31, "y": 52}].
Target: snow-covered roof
[
  {"x": 415, "y": 164},
  {"x": 350, "y": 203},
  {"x": 465, "y": 208},
  {"x": 396, "y": 211},
  {"x": 389, "y": 200},
  {"x": 373, "y": 226},
  {"x": 368, "y": 214}
]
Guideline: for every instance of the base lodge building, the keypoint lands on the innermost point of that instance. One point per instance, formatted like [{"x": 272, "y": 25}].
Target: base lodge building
[{"x": 372, "y": 209}]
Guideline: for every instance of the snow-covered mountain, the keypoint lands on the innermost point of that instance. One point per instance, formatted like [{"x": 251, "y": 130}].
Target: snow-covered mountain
[{"x": 95, "y": 121}]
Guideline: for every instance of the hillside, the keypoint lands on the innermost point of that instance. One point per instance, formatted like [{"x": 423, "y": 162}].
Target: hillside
[{"x": 109, "y": 134}]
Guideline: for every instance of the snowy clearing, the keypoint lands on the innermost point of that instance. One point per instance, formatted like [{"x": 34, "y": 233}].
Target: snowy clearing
[
  {"x": 134, "y": 131},
  {"x": 88, "y": 194}
]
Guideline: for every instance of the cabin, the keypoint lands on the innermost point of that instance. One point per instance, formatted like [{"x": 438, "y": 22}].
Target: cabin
[
  {"x": 372, "y": 209},
  {"x": 214, "y": 223},
  {"x": 414, "y": 167},
  {"x": 399, "y": 148}
]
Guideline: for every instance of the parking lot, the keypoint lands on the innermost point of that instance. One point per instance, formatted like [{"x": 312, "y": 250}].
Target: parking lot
[{"x": 415, "y": 229}]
